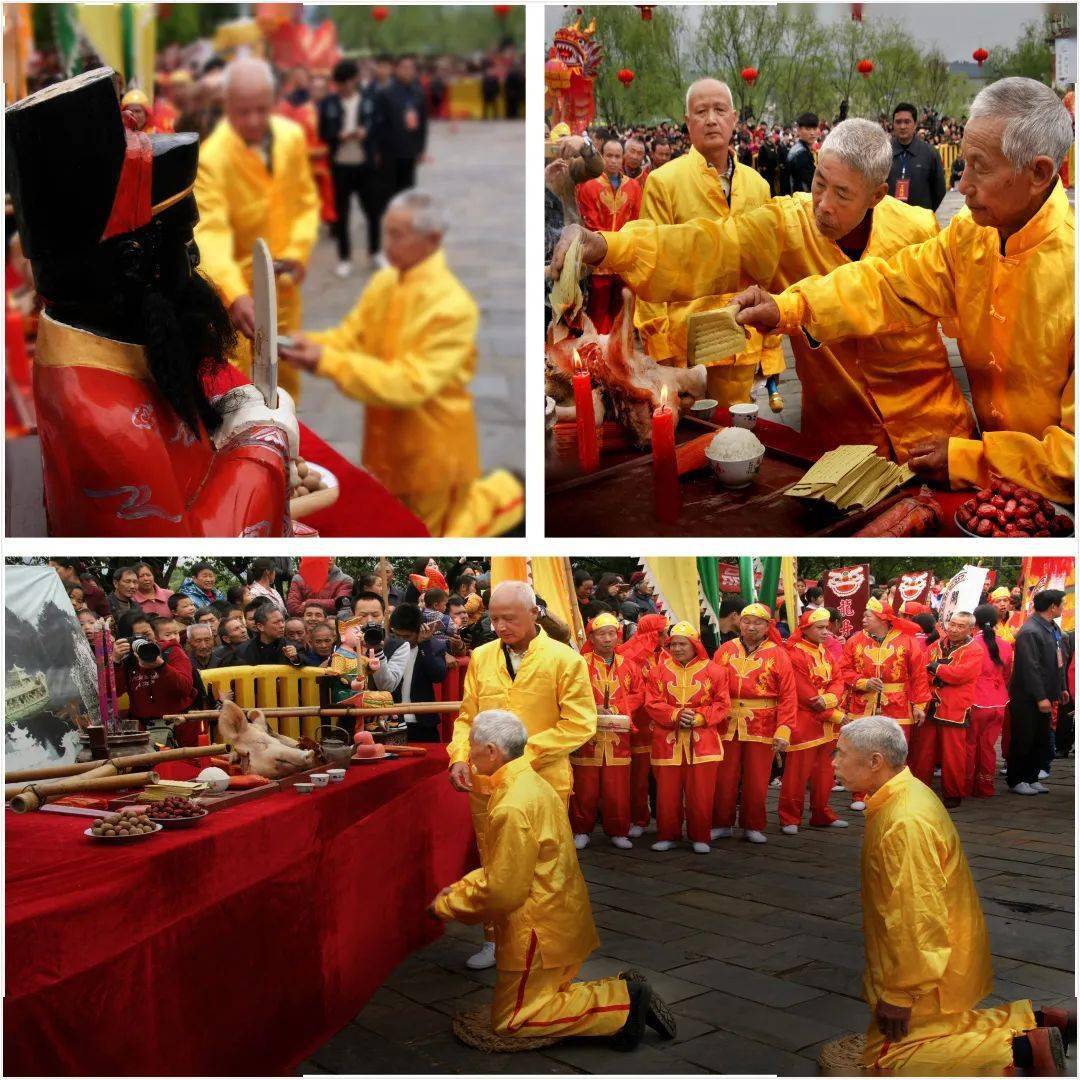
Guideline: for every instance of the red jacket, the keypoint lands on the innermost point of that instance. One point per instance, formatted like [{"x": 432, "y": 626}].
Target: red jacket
[
  {"x": 300, "y": 595},
  {"x": 899, "y": 661},
  {"x": 952, "y": 688},
  {"x": 671, "y": 687},
  {"x": 620, "y": 689},
  {"x": 816, "y": 675},
  {"x": 992, "y": 685},
  {"x": 159, "y": 691},
  {"x": 762, "y": 691}
]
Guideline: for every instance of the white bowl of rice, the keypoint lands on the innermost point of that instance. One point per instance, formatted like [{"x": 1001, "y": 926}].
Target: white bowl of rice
[{"x": 735, "y": 455}]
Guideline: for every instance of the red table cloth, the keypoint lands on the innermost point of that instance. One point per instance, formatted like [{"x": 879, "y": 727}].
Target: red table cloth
[{"x": 236, "y": 947}]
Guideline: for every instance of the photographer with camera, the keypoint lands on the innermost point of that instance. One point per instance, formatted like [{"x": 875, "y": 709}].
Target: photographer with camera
[
  {"x": 157, "y": 677},
  {"x": 415, "y": 661}
]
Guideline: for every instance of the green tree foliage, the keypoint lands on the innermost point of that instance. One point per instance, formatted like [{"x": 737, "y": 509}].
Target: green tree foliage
[
  {"x": 1032, "y": 56},
  {"x": 456, "y": 29},
  {"x": 186, "y": 23}
]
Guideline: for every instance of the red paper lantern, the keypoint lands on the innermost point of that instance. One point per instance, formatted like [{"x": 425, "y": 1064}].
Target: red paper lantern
[
  {"x": 864, "y": 68},
  {"x": 380, "y": 14},
  {"x": 501, "y": 10},
  {"x": 556, "y": 74},
  {"x": 749, "y": 75},
  {"x": 979, "y": 56},
  {"x": 646, "y": 11},
  {"x": 626, "y": 76},
  {"x": 856, "y": 12}
]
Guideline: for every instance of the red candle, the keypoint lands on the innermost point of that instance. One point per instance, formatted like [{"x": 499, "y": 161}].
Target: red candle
[
  {"x": 667, "y": 498},
  {"x": 588, "y": 452},
  {"x": 18, "y": 363}
]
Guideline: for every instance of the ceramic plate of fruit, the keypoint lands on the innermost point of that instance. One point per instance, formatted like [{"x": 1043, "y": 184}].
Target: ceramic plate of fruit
[
  {"x": 1011, "y": 510},
  {"x": 177, "y": 813},
  {"x": 368, "y": 751},
  {"x": 122, "y": 827},
  {"x": 318, "y": 488}
]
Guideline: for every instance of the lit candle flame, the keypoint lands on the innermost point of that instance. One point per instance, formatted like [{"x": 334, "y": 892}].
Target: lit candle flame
[
  {"x": 577, "y": 361},
  {"x": 663, "y": 397}
]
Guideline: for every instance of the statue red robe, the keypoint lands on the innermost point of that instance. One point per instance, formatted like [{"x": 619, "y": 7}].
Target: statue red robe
[
  {"x": 603, "y": 209},
  {"x": 117, "y": 460}
]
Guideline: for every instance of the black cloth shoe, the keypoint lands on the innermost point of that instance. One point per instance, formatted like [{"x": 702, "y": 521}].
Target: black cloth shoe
[
  {"x": 633, "y": 1031},
  {"x": 659, "y": 1016}
]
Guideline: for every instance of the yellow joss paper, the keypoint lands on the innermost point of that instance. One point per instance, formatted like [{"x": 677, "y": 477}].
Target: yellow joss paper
[
  {"x": 713, "y": 335},
  {"x": 566, "y": 298},
  {"x": 851, "y": 478}
]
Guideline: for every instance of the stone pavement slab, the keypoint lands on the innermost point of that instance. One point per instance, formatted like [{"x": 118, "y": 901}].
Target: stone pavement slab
[{"x": 758, "y": 947}]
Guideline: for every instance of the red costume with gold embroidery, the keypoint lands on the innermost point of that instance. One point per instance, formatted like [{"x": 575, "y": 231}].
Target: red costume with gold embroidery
[
  {"x": 809, "y": 753},
  {"x": 942, "y": 735},
  {"x": 899, "y": 661},
  {"x": 603, "y": 209},
  {"x": 602, "y": 765},
  {"x": 763, "y": 707},
  {"x": 685, "y": 759}
]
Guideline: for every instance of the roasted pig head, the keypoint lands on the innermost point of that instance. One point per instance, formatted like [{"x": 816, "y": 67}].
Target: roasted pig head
[{"x": 256, "y": 748}]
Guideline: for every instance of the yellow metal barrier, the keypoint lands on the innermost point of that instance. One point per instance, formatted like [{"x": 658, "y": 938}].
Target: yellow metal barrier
[
  {"x": 948, "y": 152},
  {"x": 272, "y": 686}
]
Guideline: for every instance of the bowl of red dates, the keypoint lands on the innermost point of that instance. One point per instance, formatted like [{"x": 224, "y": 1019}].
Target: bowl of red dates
[
  {"x": 177, "y": 813},
  {"x": 1011, "y": 510}
]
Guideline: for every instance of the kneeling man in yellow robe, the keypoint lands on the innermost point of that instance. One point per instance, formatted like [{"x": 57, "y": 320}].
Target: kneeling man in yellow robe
[
  {"x": 408, "y": 352},
  {"x": 531, "y": 889},
  {"x": 927, "y": 950}
]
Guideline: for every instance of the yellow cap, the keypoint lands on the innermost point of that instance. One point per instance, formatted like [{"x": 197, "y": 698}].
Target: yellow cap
[
  {"x": 817, "y": 615},
  {"x": 683, "y": 629},
  {"x": 605, "y": 618},
  {"x": 875, "y": 605},
  {"x": 756, "y": 611},
  {"x": 135, "y": 97},
  {"x": 559, "y": 131},
  {"x": 1001, "y": 593}
]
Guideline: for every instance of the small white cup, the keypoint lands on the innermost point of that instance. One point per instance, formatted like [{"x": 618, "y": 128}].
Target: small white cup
[
  {"x": 744, "y": 415},
  {"x": 319, "y": 779},
  {"x": 336, "y": 775},
  {"x": 303, "y": 789},
  {"x": 704, "y": 408}
]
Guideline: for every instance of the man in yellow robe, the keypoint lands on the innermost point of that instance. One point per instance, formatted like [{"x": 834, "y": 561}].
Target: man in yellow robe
[
  {"x": 255, "y": 181},
  {"x": 407, "y": 351},
  {"x": 1002, "y": 273},
  {"x": 708, "y": 182},
  {"x": 544, "y": 683},
  {"x": 927, "y": 950},
  {"x": 894, "y": 390},
  {"x": 531, "y": 890}
]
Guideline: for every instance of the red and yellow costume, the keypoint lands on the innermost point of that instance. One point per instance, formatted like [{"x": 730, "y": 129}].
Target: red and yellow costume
[
  {"x": 685, "y": 759},
  {"x": 307, "y": 117},
  {"x": 605, "y": 209},
  {"x": 1005, "y": 628},
  {"x": 602, "y": 765},
  {"x": 809, "y": 753},
  {"x": 643, "y": 651},
  {"x": 118, "y": 461},
  {"x": 763, "y": 707},
  {"x": 941, "y": 736}
]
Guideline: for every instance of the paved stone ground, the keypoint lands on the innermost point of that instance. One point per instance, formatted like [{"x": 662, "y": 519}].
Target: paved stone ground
[
  {"x": 478, "y": 169},
  {"x": 757, "y": 948},
  {"x": 791, "y": 388}
]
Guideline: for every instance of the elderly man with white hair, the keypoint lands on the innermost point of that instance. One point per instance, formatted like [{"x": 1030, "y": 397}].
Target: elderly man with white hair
[
  {"x": 708, "y": 182},
  {"x": 1001, "y": 275},
  {"x": 927, "y": 950},
  {"x": 254, "y": 181},
  {"x": 531, "y": 891},
  {"x": 543, "y": 682},
  {"x": 895, "y": 390},
  {"x": 407, "y": 351}
]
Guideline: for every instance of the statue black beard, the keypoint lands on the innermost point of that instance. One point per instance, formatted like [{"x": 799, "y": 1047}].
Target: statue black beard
[{"x": 144, "y": 287}]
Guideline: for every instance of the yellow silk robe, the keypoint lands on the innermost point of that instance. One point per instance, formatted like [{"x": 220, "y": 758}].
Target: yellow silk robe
[
  {"x": 894, "y": 390},
  {"x": 551, "y": 695},
  {"x": 408, "y": 352},
  {"x": 684, "y": 189},
  {"x": 239, "y": 200},
  {"x": 1014, "y": 314},
  {"x": 927, "y": 948}
]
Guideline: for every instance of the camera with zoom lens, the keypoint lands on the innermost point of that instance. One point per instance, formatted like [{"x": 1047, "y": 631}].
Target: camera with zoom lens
[
  {"x": 374, "y": 636},
  {"x": 145, "y": 651}
]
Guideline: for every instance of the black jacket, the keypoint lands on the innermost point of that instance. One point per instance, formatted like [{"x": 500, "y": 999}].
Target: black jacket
[
  {"x": 394, "y": 140},
  {"x": 799, "y": 169},
  {"x": 921, "y": 163},
  {"x": 429, "y": 669},
  {"x": 1036, "y": 675},
  {"x": 254, "y": 652},
  {"x": 332, "y": 118}
]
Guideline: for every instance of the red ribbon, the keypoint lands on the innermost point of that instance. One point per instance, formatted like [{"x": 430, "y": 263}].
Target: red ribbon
[{"x": 131, "y": 205}]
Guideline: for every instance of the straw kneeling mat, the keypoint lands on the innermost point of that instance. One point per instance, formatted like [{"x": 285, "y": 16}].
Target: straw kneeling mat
[
  {"x": 843, "y": 1056},
  {"x": 473, "y": 1028}
]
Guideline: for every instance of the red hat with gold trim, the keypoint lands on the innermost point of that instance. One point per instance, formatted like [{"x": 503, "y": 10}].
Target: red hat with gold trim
[
  {"x": 814, "y": 617},
  {"x": 760, "y": 611},
  {"x": 886, "y": 614}
]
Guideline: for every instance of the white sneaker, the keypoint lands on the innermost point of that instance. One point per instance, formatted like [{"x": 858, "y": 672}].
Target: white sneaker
[
  {"x": 1043, "y": 774},
  {"x": 1004, "y": 771},
  {"x": 1023, "y": 789},
  {"x": 343, "y": 269},
  {"x": 721, "y": 833},
  {"x": 860, "y": 805},
  {"x": 838, "y": 787},
  {"x": 839, "y": 823},
  {"x": 621, "y": 842},
  {"x": 937, "y": 772},
  {"x": 1041, "y": 789},
  {"x": 635, "y": 831},
  {"x": 701, "y": 849},
  {"x": 663, "y": 845},
  {"x": 581, "y": 840},
  {"x": 755, "y": 837},
  {"x": 791, "y": 830},
  {"x": 485, "y": 958},
  {"x": 775, "y": 783}
]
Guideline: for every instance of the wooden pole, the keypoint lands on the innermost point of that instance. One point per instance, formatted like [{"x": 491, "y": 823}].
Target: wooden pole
[
  {"x": 316, "y": 710},
  {"x": 384, "y": 574},
  {"x": 130, "y": 761},
  {"x": 36, "y": 794}
]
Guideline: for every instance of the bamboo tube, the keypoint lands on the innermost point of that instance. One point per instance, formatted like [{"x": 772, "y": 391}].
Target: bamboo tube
[
  {"x": 33, "y": 798},
  {"x": 98, "y": 770},
  {"x": 129, "y": 761},
  {"x": 315, "y": 710}
]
